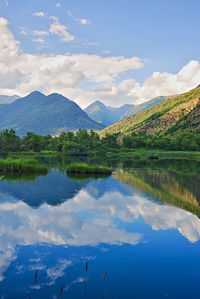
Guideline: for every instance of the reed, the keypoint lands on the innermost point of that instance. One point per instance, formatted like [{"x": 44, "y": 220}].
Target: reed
[
  {"x": 104, "y": 284},
  {"x": 21, "y": 166},
  {"x": 61, "y": 291},
  {"x": 85, "y": 279}
]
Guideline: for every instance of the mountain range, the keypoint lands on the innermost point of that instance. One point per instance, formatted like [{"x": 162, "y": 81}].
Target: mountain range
[
  {"x": 107, "y": 115},
  {"x": 54, "y": 114},
  {"x": 177, "y": 113},
  {"x": 44, "y": 115}
]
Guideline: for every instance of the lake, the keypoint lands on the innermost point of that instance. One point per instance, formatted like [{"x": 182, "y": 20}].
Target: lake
[{"x": 141, "y": 226}]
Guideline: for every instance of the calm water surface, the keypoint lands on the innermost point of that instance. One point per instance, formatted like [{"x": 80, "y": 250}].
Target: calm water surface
[{"x": 141, "y": 225}]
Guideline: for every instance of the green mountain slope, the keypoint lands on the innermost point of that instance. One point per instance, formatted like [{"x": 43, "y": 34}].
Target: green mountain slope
[
  {"x": 178, "y": 112},
  {"x": 106, "y": 115},
  {"x": 44, "y": 115}
]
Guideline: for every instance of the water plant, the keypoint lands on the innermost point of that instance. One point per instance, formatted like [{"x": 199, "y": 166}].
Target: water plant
[
  {"x": 104, "y": 282},
  {"x": 83, "y": 168},
  {"x": 21, "y": 166},
  {"x": 61, "y": 291},
  {"x": 85, "y": 278}
]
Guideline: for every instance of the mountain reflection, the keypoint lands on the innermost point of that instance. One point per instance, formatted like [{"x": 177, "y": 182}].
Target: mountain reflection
[
  {"x": 81, "y": 219},
  {"x": 180, "y": 190},
  {"x": 55, "y": 188}
]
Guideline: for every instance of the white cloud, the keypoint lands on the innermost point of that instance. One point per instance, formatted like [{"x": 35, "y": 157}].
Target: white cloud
[
  {"x": 58, "y": 4},
  {"x": 54, "y": 18},
  {"x": 62, "y": 31},
  {"x": 39, "y": 14},
  {"x": 81, "y": 21},
  {"x": 22, "y": 73},
  {"x": 58, "y": 271},
  {"x": 38, "y": 40},
  {"x": 56, "y": 73}
]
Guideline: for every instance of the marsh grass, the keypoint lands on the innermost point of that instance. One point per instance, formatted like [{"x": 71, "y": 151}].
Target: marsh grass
[
  {"x": 84, "y": 177},
  {"x": 81, "y": 168},
  {"x": 21, "y": 166}
]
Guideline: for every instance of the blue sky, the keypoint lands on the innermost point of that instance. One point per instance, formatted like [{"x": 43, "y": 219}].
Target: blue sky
[{"x": 162, "y": 37}]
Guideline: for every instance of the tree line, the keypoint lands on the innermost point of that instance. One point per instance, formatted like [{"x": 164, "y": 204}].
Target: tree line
[{"x": 83, "y": 142}]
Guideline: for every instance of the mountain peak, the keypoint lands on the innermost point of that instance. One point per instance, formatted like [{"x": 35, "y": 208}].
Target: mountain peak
[
  {"x": 42, "y": 114},
  {"x": 97, "y": 102},
  {"x": 36, "y": 93}
]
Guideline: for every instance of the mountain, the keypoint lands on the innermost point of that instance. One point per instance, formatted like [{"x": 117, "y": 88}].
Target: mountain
[
  {"x": 106, "y": 115},
  {"x": 138, "y": 108},
  {"x": 8, "y": 99},
  {"x": 42, "y": 114},
  {"x": 180, "y": 112}
]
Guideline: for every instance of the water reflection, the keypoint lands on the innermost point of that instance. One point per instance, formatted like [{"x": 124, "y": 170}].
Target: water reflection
[
  {"x": 177, "y": 189},
  {"x": 93, "y": 213}
]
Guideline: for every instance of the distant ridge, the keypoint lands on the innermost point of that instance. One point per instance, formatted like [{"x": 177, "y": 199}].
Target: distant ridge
[
  {"x": 141, "y": 107},
  {"x": 106, "y": 115},
  {"x": 109, "y": 115},
  {"x": 42, "y": 114},
  {"x": 8, "y": 99}
]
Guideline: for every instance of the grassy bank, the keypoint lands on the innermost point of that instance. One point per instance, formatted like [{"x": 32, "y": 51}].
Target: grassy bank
[
  {"x": 21, "y": 166},
  {"x": 34, "y": 154},
  {"x": 82, "y": 168},
  {"x": 160, "y": 154}
]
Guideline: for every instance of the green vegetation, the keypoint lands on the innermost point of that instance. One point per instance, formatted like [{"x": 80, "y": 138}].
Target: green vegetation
[
  {"x": 21, "y": 166},
  {"x": 83, "y": 168},
  {"x": 34, "y": 154},
  {"x": 173, "y": 113},
  {"x": 83, "y": 144},
  {"x": 87, "y": 176},
  {"x": 23, "y": 177},
  {"x": 180, "y": 141},
  {"x": 171, "y": 125}
]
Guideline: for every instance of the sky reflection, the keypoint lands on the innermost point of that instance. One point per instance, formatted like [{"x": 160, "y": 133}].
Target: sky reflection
[{"x": 87, "y": 220}]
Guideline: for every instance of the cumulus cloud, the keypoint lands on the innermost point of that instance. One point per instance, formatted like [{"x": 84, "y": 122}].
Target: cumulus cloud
[
  {"x": 169, "y": 84},
  {"x": 58, "y": 4},
  {"x": 56, "y": 73},
  {"x": 67, "y": 73}
]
